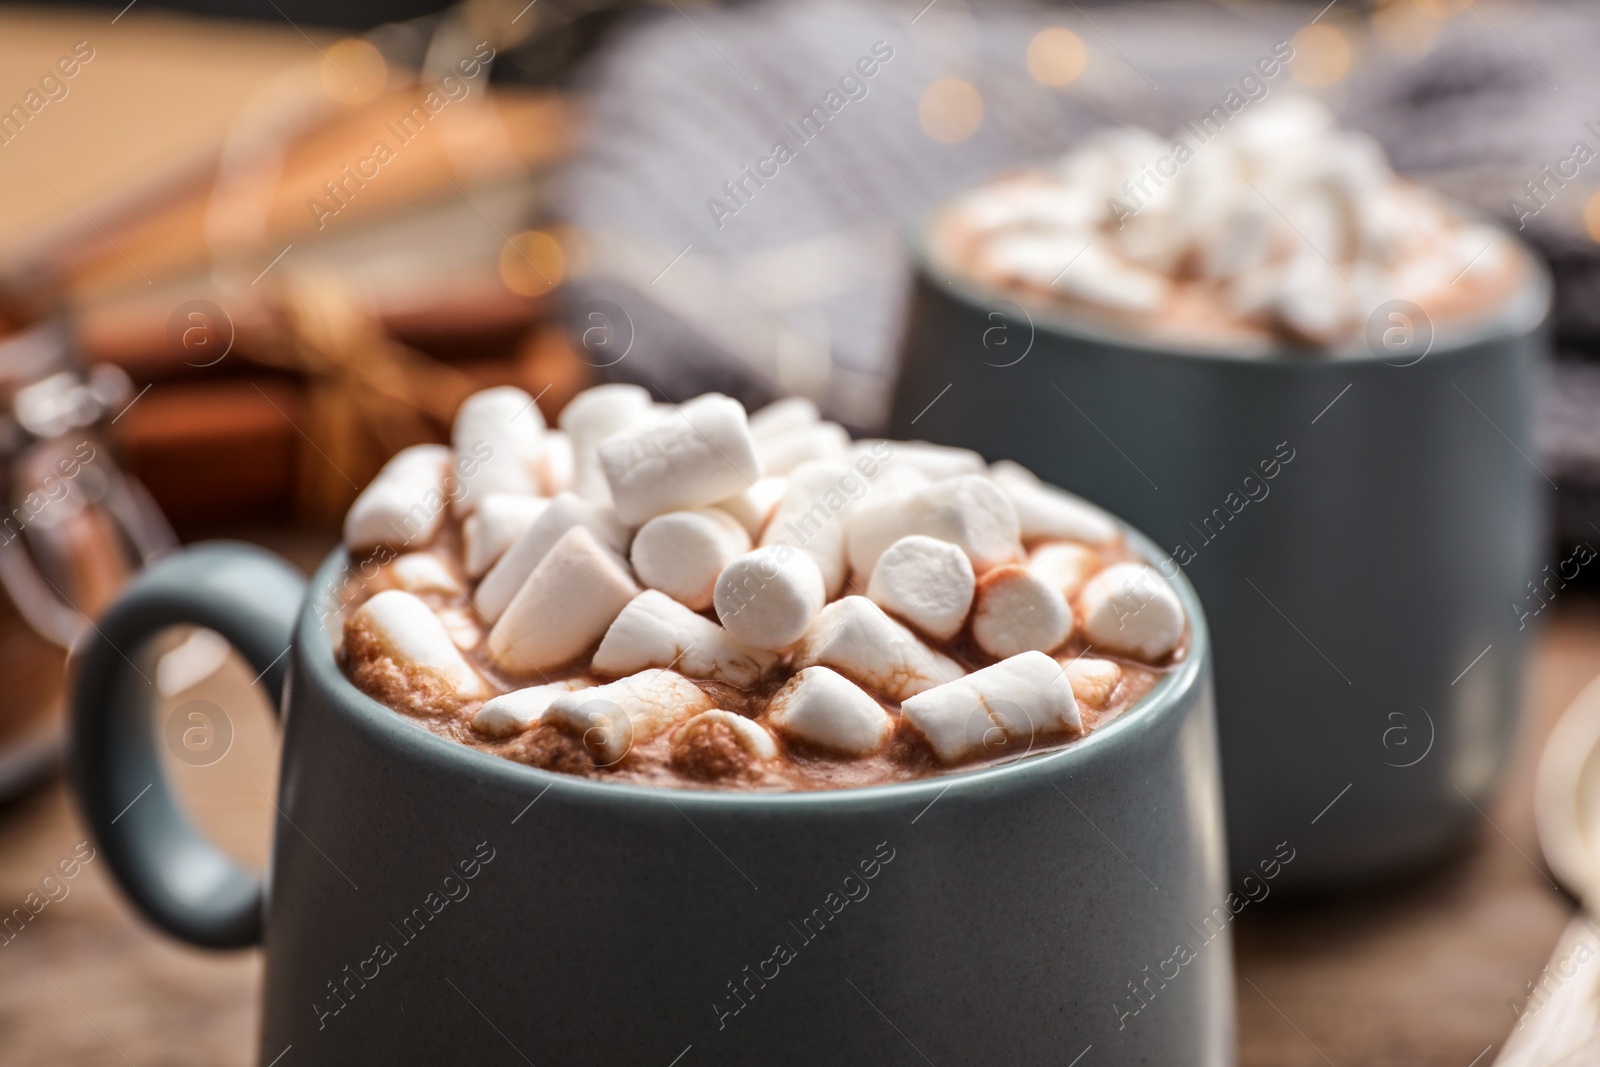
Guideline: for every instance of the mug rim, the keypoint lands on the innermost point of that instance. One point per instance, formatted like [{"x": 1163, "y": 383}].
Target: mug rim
[
  {"x": 1524, "y": 312},
  {"x": 315, "y": 664}
]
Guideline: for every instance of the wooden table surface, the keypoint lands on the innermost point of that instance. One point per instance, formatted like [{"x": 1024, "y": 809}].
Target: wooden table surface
[{"x": 1421, "y": 973}]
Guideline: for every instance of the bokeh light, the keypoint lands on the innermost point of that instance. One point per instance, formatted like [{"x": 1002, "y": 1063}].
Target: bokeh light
[
  {"x": 950, "y": 110},
  {"x": 532, "y": 263},
  {"x": 1056, "y": 56},
  {"x": 1443, "y": 9},
  {"x": 1406, "y": 27},
  {"x": 1591, "y": 217},
  {"x": 1321, "y": 55},
  {"x": 354, "y": 71}
]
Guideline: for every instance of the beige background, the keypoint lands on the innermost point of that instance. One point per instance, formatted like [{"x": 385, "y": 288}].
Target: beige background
[{"x": 159, "y": 94}]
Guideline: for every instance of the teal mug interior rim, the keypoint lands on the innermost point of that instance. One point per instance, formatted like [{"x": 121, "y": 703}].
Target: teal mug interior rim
[
  {"x": 315, "y": 652},
  {"x": 1527, "y": 309}
]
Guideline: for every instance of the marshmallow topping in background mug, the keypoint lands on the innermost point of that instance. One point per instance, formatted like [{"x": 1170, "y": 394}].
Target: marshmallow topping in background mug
[
  {"x": 1311, "y": 381},
  {"x": 1282, "y": 231},
  {"x": 740, "y": 603},
  {"x": 1011, "y": 909}
]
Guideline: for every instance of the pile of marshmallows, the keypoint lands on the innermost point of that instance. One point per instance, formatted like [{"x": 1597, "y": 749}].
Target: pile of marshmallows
[
  {"x": 1283, "y": 219},
  {"x": 676, "y": 542}
]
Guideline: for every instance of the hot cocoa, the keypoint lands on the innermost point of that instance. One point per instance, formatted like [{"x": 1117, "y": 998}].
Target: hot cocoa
[
  {"x": 1282, "y": 229},
  {"x": 682, "y": 595}
]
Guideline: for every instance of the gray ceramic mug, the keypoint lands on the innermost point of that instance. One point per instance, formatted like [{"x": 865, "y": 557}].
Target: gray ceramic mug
[
  {"x": 428, "y": 903},
  {"x": 1361, "y": 530}
]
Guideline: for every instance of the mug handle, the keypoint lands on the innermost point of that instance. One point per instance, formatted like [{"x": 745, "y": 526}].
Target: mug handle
[{"x": 177, "y": 877}]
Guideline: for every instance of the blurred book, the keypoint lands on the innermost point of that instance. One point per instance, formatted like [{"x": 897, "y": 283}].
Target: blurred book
[{"x": 396, "y": 215}]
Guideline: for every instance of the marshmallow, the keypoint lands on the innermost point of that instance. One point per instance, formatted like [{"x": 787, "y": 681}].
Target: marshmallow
[
  {"x": 1034, "y": 258},
  {"x": 1096, "y": 275},
  {"x": 194, "y": 659},
  {"x": 404, "y": 505},
  {"x": 1206, "y": 197},
  {"x": 890, "y": 476},
  {"x": 1157, "y": 236},
  {"x": 1093, "y": 680},
  {"x": 400, "y": 651},
  {"x": 1252, "y": 293},
  {"x": 823, "y": 708},
  {"x": 1045, "y": 512},
  {"x": 611, "y": 719},
  {"x": 751, "y": 735},
  {"x": 1110, "y": 156},
  {"x": 564, "y": 607},
  {"x": 1312, "y": 300},
  {"x": 1009, "y": 470},
  {"x": 754, "y": 505},
  {"x": 1016, "y": 612},
  {"x": 1320, "y": 222},
  {"x": 564, "y": 512},
  {"x": 1128, "y": 608},
  {"x": 784, "y": 416},
  {"x": 682, "y": 553},
  {"x": 767, "y": 598},
  {"x": 1063, "y": 566},
  {"x": 1418, "y": 274},
  {"x": 1020, "y": 699},
  {"x": 926, "y": 582},
  {"x": 1283, "y": 224},
  {"x": 555, "y": 463},
  {"x": 498, "y": 520},
  {"x": 1240, "y": 241},
  {"x": 1287, "y": 132},
  {"x": 461, "y": 623},
  {"x": 855, "y": 638},
  {"x": 1480, "y": 251},
  {"x": 969, "y": 511},
  {"x": 880, "y": 450},
  {"x": 424, "y": 572},
  {"x": 512, "y": 713},
  {"x": 656, "y": 631},
  {"x": 1025, "y": 203},
  {"x": 718, "y": 744},
  {"x": 1385, "y": 221},
  {"x": 702, "y": 455},
  {"x": 497, "y": 441},
  {"x": 591, "y": 417},
  {"x": 811, "y": 517},
  {"x": 782, "y": 453},
  {"x": 938, "y": 462}
]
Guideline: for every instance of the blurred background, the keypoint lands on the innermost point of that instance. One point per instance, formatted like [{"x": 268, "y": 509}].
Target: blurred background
[{"x": 249, "y": 250}]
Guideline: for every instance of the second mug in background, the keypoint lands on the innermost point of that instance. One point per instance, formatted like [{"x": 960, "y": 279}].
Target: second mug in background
[{"x": 1360, "y": 526}]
